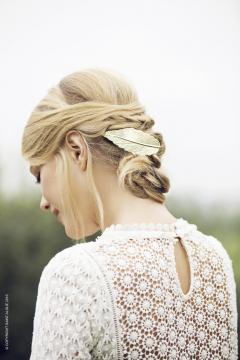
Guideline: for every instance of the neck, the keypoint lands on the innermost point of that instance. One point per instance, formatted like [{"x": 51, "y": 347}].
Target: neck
[{"x": 122, "y": 207}]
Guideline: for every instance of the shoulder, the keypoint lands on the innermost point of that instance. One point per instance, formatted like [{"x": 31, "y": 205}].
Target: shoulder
[
  {"x": 75, "y": 255},
  {"x": 216, "y": 245},
  {"x": 216, "y": 252},
  {"x": 72, "y": 265},
  {"x": 71, "y": 254}
]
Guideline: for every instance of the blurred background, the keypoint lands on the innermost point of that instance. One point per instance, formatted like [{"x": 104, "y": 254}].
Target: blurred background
[{"x": 182, "y": 57}]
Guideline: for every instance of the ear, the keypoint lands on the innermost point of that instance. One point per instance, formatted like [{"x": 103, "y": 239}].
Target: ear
[{"x": 76, "y": 146}]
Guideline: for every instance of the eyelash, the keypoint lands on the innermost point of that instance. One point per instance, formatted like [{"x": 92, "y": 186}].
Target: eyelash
[{"x": 38, "y": 179}]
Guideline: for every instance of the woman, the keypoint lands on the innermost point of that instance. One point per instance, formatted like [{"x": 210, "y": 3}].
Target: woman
[{"x": 151, "y": 286}]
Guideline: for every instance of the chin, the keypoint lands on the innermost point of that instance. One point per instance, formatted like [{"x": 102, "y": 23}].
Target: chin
[{"x": 71, "y": 234}]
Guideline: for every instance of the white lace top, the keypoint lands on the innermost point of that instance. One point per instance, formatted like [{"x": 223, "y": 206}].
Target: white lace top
[{"x": 119, "y": 297}]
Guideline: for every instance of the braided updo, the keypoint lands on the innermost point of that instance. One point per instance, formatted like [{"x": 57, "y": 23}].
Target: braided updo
[{"x": 93, "y": 101}]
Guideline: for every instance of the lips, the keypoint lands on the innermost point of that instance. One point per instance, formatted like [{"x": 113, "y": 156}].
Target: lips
[{"x": 56, "y": 213}]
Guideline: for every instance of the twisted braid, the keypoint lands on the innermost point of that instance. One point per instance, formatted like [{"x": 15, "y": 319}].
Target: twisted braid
[{"x": 90, "y": 118}]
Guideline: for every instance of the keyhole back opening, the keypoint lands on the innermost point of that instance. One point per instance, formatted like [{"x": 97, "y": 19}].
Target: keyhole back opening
[{"x": 182, "y": 267}]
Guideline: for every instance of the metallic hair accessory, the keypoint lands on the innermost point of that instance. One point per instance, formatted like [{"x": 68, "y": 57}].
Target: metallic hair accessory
[{"x": 133, "y": 140}]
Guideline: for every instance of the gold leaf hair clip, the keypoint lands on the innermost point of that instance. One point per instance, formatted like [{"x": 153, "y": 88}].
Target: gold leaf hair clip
[{"x": 134, "y": 141}]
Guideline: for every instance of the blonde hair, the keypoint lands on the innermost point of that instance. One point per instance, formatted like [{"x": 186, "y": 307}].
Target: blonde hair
[{"x": 93, "y": 101}]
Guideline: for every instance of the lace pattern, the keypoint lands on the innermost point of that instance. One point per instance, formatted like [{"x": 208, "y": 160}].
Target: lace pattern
[
  {"x": 120, "y": 298},
  {"x": 157, "y": 319}
]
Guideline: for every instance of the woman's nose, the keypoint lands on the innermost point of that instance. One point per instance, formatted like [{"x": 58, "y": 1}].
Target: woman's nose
[{"x": 44, "y": 204}]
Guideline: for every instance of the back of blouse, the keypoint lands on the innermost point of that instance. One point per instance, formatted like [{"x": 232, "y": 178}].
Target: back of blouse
[
  {"x": 132, "y": 294},
  {"x": 155, "y": 317}
]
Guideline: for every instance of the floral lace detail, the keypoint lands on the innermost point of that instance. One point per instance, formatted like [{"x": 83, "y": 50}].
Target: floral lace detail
[
  {"x": 180, "y": 228},
  {"x": 156, "y": 319},
  {"x": 120, "y": 298}
]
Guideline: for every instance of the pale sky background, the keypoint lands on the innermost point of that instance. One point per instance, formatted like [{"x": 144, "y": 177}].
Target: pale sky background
[{"x": 183, "y": 57}]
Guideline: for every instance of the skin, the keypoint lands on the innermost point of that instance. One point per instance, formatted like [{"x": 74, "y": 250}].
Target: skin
[{"x": 120, "y": 207}]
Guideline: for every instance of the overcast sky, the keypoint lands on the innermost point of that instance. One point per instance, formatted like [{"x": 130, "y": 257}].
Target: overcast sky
[{"x": 183, "y": 57}]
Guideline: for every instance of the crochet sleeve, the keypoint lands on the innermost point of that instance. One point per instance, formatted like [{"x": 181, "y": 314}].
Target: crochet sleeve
[{"x": 72, "y": 312}]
